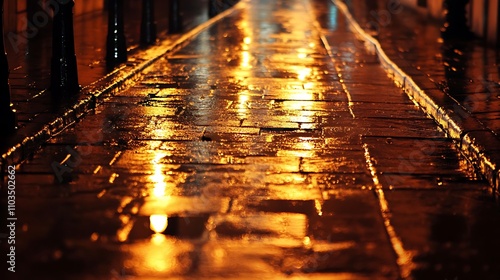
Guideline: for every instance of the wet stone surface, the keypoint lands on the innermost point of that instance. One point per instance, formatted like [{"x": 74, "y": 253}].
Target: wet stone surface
[
  {"x": 467, "y": 70},
  {"x": 29, "y": 59},
  {"x": 240, "y": 156}
]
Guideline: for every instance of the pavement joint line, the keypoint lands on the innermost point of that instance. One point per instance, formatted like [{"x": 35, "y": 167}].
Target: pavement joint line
[
  {"x": 404, "y": 258},
  {"x": 328, "y": 48},
  {"x": 97, "y": 91},
  {"x": 449, "y": 121}
]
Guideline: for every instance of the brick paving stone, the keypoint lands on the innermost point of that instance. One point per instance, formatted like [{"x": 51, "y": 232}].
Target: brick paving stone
[{"x": 231, "y": 172}]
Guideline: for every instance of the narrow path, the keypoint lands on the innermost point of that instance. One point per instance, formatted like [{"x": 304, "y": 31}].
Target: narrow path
[{"x": 256, "y": 152}]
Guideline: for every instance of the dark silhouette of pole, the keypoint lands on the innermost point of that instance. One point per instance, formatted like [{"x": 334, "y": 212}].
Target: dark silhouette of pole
[
  {"x": 455, "y": 26},
  {"x": 64, "y": 74},
  {"x": 7, "y": 114},
  {"x": 148, "y": 24},
  {"x": 116, "y": 47},
  {"x": 174, "y": 20}
]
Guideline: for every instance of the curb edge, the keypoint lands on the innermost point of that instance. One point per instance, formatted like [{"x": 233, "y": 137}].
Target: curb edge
[{"x": 453, "y": 124}]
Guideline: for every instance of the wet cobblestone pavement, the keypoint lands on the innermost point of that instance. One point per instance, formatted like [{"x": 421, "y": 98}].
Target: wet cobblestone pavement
[
  {"x": 453, "y": 80},
  {"x": 466, "y": 70},
  {"x": 271, "y": 146},
  {"x": 30, "y": 60}
]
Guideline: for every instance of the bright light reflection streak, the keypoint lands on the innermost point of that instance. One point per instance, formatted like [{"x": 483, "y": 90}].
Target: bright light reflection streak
[
  {"x": 305, "y": 145},
  {"x": 304, "y": 73},
  {"x": 245, "y": 65},
  {"x": 158, "y": 177},
  {"x": 302, "y": 53},
  {"x": 245, "y": 54},
  {"x": 404, "y": 257},
  {"x": 297, "y": 105},
  {"x": 245, "y": 60},
  {"x": 158, "y": 222},
  {"x": 158, "y": 238},
  {"x": 303, "y": 149},
  {"x": 159, "y": 255},
  {"x": 243, "y": 104},
  {"x": 338, "y": 69},
  {"x": 319, "y": 207}
]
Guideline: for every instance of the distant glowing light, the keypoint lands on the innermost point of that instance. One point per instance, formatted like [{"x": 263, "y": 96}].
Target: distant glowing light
[
  {"x": 219, "y": 254},
  {"x": 94, "y": 237},
  {"x": 113, "y": 177},
  {"x": 123, "y": 232},
  {"x": 247, "y": 40},
  {"x": 307, "y": 242},
  {"x": 158, "y": 223}
]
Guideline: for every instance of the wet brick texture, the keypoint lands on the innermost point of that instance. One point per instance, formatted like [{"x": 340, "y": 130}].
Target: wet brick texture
[
  {"x": 30, "y": 60},
  {"x": 464, "y": 69},
  {"x": 256, "y": 152}
]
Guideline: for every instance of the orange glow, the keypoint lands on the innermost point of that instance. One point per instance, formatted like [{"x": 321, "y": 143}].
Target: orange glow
[
  {"x": 319, "y": 207},
  {"x": 303, "y": 73},
  {"x": 302, "y": 53},
  {"x": 245, "y": 60},
  {"x": 158, "y": 177},
  {"x": 307, "y": 242},
  {"x": 124, "y": 231},
  {"x": 158, "y": 239},
  {"x": 158, "y": 223}
]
